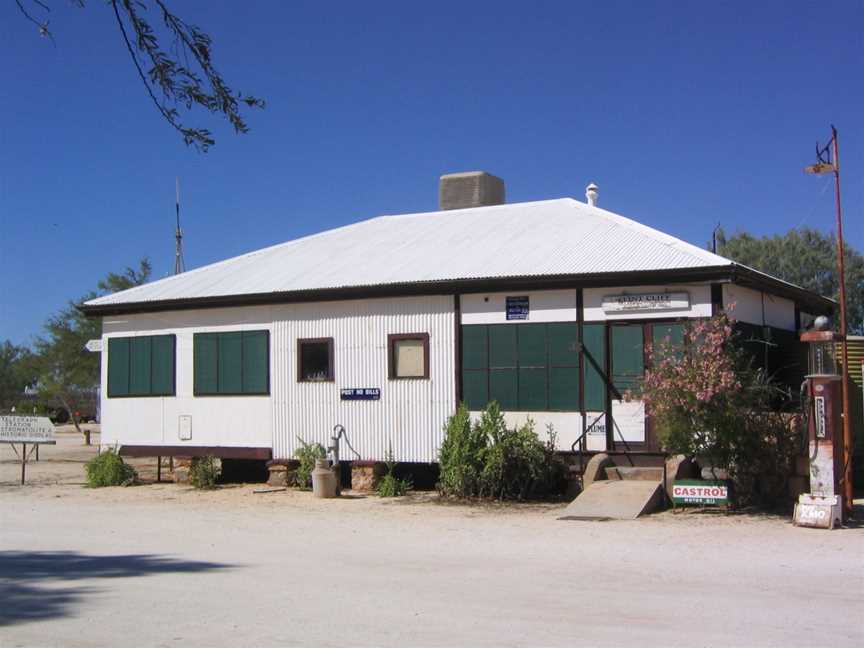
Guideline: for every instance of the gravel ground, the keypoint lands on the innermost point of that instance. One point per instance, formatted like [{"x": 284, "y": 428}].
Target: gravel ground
[{"x": 164, "y": 565}]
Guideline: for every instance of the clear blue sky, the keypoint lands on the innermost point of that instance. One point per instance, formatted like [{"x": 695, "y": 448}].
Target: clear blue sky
[{"x": 685, "y": 113}]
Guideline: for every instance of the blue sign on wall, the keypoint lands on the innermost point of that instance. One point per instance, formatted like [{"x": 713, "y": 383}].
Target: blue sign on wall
[
  {"x": 361, "y": 393},
  {"x": 517, "y": 308}
]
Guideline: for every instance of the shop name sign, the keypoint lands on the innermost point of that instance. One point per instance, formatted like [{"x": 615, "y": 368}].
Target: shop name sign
[
  {"x": 692, "y": 491},
  {"x": 361, "y": 393},
  {"x": 646, "y": 302},
  {"x": 26, "y": 429}
]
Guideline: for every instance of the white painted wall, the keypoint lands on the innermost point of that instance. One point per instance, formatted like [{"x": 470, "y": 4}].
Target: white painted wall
[
  {"x": 410, "y": 414},
  {"x": 544, "y": 306},
  {"x": 236, "y": 421},
  {"x": 700, "y": 302},
  {"x": 755, "y": 307}
]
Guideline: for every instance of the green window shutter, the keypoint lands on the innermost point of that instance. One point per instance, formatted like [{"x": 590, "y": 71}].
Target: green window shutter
[
  {"x": 139, "y": 372},
  {"x": 668, "y": 336},
  {"x": 532, "y": 344},
  {"x": 118, "y": 367},
  {"x": 256, "y": 363},
  {"x": 502, "y": 345},
  {"x": 206, "y": 362},
  {"x": 162, "y": 378},
  {"x": 475, "y": 389},
  {"x": 503, "y": 388},
  {"x": 594, "y": 341},
  {"x": 230, "y": 363},
  {"x": 628, "y": 356},
  {"x": 564, "y": 345},
  {"x": 532, "y": 389},
  {"x": 474, "y": 347},
  {"x": 564, "y": 389}
]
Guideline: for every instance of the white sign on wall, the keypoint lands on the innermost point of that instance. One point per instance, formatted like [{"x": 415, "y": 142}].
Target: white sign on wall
[
  {"x": 26, "y": 429},
  {"x": 629, "y": 418},
  {"x": 646, "y": 302}
]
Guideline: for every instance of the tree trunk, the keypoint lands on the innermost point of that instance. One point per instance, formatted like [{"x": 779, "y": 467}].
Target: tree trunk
[{"x": 74, "y": 420}]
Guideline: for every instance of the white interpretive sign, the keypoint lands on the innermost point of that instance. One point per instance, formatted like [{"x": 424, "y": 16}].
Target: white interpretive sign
[
  {"x": 646, "y": 302},
  {"x": 26, "y": 429}
]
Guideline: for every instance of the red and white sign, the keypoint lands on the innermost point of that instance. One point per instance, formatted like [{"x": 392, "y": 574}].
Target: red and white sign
[{"x": 705, "y": 492}]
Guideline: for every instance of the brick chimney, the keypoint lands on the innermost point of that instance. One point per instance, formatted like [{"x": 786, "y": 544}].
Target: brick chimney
[{"x": 470, "y": 189}]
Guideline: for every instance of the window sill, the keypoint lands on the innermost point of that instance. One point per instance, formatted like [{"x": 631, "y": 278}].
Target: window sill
[
  {"x": 232, "y": 394},
  {"x": 116, "y": 396}
]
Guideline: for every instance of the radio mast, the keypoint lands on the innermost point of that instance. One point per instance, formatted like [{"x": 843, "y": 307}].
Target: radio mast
[{"x": 179, "y": 266}]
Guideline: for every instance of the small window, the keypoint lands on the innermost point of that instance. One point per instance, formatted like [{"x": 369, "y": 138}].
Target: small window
[
  {"x": 408, "y": 355},
  {"x": 315, "y": 360}
]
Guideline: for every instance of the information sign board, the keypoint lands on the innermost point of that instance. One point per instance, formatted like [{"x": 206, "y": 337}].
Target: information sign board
[
  {"x": 517, "y": 308},
  {"x": 26, "y": 429}
]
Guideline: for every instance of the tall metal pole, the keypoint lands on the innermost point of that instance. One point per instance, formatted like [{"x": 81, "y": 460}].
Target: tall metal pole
[
  {"x": 178, "y": 234},
  {"x": 847, "y": 427}
]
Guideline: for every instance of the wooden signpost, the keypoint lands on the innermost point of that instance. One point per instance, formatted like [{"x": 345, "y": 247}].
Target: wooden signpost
[{"x": 26, "y": 430}]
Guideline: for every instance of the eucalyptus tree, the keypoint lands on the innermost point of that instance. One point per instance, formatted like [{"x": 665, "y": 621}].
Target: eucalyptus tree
[
  {"x": 174, "y": 62},
  {"x": 805, "y": 257}
]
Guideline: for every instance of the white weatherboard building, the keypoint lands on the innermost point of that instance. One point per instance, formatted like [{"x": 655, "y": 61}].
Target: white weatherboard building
[{"x": 384, "y": 326}]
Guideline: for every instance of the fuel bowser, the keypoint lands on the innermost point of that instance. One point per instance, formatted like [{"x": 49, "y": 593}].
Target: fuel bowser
[{"x": 822, "y": 404}]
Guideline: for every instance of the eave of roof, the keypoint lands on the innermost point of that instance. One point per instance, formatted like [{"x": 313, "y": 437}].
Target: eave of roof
[{"x": 735, "y": 273}]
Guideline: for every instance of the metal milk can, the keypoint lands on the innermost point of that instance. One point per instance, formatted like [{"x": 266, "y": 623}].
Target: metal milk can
[{"x": 323, "y": 479}]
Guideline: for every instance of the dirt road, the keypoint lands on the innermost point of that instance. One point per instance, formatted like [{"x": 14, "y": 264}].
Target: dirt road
[{"x": 164, "y": 565}]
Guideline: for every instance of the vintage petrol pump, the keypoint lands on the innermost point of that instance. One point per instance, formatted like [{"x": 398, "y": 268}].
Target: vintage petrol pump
[{"x": 823, "y": 506}]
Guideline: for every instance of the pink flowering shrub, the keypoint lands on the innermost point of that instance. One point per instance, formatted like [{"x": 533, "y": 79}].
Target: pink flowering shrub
[{"x": 707, "y": 400}]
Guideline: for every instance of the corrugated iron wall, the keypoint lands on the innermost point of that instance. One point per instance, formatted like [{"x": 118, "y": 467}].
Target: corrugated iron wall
[
  {"x": 410, "y": 413},
  {"x": 855, "y": 350}
]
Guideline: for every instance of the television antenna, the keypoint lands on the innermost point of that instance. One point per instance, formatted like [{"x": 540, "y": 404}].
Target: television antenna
[{"x": 179, "y": 266}]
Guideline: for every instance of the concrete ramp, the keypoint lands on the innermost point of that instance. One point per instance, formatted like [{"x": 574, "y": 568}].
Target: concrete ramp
[{"x": 615, "y": 500}]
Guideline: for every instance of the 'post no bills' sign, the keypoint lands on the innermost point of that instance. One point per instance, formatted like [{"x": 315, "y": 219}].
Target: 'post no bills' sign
[{"x": 700, "y": 492}]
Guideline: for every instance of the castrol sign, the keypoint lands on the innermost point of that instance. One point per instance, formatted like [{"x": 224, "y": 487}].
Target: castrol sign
[{"x": 702, "y": 492}]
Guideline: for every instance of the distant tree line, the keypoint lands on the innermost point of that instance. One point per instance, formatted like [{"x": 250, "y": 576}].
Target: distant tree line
[
  {"x": 57, "y": 375},
  {"x": 806, "y": 258}
]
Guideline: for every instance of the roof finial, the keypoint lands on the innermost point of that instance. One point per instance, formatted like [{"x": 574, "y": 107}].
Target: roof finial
[{"x": 592, "y": 191}]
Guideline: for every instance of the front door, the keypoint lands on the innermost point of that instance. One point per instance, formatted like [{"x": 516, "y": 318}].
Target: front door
[{"x": 627, "y": 369}]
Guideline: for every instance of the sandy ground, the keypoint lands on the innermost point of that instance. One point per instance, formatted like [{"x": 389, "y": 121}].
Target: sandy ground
[{"x": 164, "y": 565}]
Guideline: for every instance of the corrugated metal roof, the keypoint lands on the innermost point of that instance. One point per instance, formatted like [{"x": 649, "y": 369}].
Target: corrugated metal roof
[{"x": 551, "y": 237}]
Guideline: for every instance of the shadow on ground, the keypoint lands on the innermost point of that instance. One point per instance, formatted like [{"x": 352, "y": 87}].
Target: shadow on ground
[{"x": 27, "y": 596}]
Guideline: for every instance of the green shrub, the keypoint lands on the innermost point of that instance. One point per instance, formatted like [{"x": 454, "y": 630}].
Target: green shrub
[
  {"x": 390, "y": 485},
  {"x": 307, "y": 453},
  {"x": 488, "y": 459},
  {"x": 461, "y": 456},
  {"x": 108, "y": 469},
  {"x": 204, "y": 472}
]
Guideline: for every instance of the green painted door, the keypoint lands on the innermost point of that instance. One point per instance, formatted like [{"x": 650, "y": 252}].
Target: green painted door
[{"x": 628, "y": 356}]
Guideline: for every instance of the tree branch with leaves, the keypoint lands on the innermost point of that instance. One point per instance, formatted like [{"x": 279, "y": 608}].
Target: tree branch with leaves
[{"x": 171, "y": 83}]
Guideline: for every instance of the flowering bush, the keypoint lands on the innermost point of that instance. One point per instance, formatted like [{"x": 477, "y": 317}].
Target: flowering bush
[{"x": 707, "y": 400}]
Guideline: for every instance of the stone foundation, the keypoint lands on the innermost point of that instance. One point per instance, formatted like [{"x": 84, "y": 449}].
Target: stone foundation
[
  {"x": 180, "y": 474},
  {"x": 365, "y": 476},
  {"x": 282, "y": 472}
]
